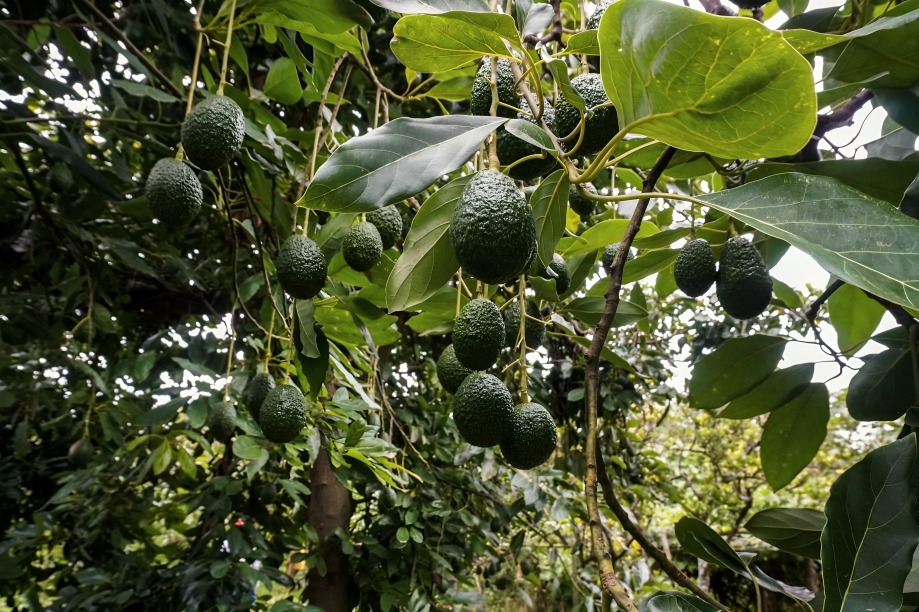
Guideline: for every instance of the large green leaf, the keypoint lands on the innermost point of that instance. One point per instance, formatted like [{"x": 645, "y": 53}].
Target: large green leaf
[
  {"x": 427, "y": 260},
  {"x": 283, "y": 82},
  {"x": 778, "y": 389},
  {"x": 329, "y": 16},
  {"x": 589, "y": 309},
  {"x": 854, "y": 316},
  {"x": 432, "y": 7},
  {"x": 794, "y": 530},
  {"x": 700, "y": 82},
  {"x": 435, "y": 43},
  {"x": 863, "y": 241},
  {"x": 793, "y": 435},
  {"x": 394, "y": 162},
  {"x": 883, "y": 389},
  {"x": 602, "y": 234},
  {"x": 675, "y": 601},
  {"x": 871, "y": 531},
  {"x": 734, "y": 368},
  {"x": 550, "y": 208}
]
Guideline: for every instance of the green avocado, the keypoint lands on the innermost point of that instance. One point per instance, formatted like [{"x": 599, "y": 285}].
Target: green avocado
[
  {"x": 81, "y": 452},
  {"x": 694, "y": 270},
  {"x": 301, "y": 267},
  {"x": 744, "y": 286},
  {"x": 609, "y": 254},
  {"x": 592, "y": 24},
  {"x": 511, "y": 148},
  {"x": 173, "y": 192},
  {"x": 388, "y": 222},
  {"x": 256, "y": 391},
  {"x": 362, "y": 246},
  {"x": 283, "y": 413},
  {"x": 482, "y": 409},
  {"x": 558, "y": 270},
  {"x": 480, "y": 98},
  {"x": 602, "y": 124},
  {"x": 450, "y": 372},
  {"x": 212, "y": 133},
  {"x": 478, "y": 334},
  {"x": 60, "y": 178},
  {"x": 492, "y": 231},
  {"x": 221, "y": 419},
  {"x": 580, "y": 204},
  {"x": 533, "y": 331},
  {"x": 532, "y": 437}
]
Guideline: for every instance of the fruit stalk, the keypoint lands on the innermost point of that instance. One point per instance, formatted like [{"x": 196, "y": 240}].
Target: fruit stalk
[
  {"x": 226, "y": 50},
  {"x": 180, "y": 154},
  {"x": 232, "y": 330},
  {"x": 521, "y": 338}
]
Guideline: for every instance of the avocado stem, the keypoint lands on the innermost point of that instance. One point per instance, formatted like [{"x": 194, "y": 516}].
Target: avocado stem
[
  {"x": 521, "y": 338},
  {"x": 226, "y": 49}
]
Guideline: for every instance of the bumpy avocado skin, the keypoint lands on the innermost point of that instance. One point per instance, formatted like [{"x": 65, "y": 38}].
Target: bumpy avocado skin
[
  {"x": 221, "y": 420},
  {"x": 482, "y": 409},
  {"x": 694, "y": 270},
  {"x": 283, "y": 414},
  {"x": 212, "y": 133},
  {"x": 301, "y": 267},
  {"x": 256, "y": 391},
  {"x": 492, "y": 231},
  {"x": 450, "y": 372},
  {"x": 609, "y": 254},
  {"x": 480, "y": 98},
  {"x": 478, "y": 334},
  {"x": 580, "y": 204},
  {"x": 602, "y": 124},
  {"x": 562, "y": 274},
  {"x": 173, "y": 192},
  {"x": 744, "y": 286},
  {"x": 532, "y": 437},
  {"x": 510, "y": 148},
  {"x": 388, "y": 222},
  {"x": 533, "y": 331},
  {"x": 592, "y": 24},
  {"x": 362, "y": 246}
]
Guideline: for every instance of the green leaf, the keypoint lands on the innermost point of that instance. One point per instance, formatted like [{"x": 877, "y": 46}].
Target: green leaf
[
  {"x": 327, "y": 16},
  {"x": 141, "y": 90},
  {"x": 675, "y": 601},
  {"x": 793, "y": 435},
  {"x": 583, "y": 43},
  {"x": 247, "y": 447},
  {"x": 780, "y": 388},
  {"x": 161, "y": 414},
  {"x": 669, "y": 67},
  {"x": 427, "y": 260},
  {"x": 871, "y": 531},
  {"x": 854, "y": 316},
  {"x": 793, "y": 530},
  {"x": 734, "y": 368},
  {"x": 647, "y": 264},
  {"x": 306, "y": 310},
  {"x": 283, "y": 82},
  {"x": 315, "y": 369},
  {"x": 882, "y": 390},
  {"x": 162, "y": 457},
  {"x": 454, "y": 89},
  {"x": 531, "y": 133},
  {"x": 550, "y": 208},
  {"x": 396, "y": 161},
  {"x": 602, "y": 234},
  {"x": 433, "y": 7},
  {"x": 559, "y": 70},
  {"x": 888, "y": 46},
  {"x": 589, "y": 309},
  {"x": 863, "y": 241},
  {"x": 436, "y": 43},
  {"x": 900, "y": 105}
]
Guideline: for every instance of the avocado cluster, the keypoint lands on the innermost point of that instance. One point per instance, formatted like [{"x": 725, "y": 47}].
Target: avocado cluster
[
  {"x": 256, "y": 391},
  {"x": 301, "y": 267},
  {"x": 601, "y": 121}
]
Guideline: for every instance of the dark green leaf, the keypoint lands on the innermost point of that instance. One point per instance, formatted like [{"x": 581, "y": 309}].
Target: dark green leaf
[
  {"x": 793, "y": 530},
  {"x": 901, "y": 105},
  {"x": 734, "y": 368},
  {"x": 141, "y": 90},
  {"x": 588, "y": 310},
  {"x": 675, "y": 601},
  {"x": 436, "y": 43},
  {"x": 550, "y": 208},
  {"x": 315, "y": 369},
  {"x": 781, "y": 387},
  {"x": 793, "y": 435},
  {"x": 161, "y": 414},
  {"x": 882, "y": 390},
  {"x": 530, "y": 132},
  {"x": 307, "y": 328}
]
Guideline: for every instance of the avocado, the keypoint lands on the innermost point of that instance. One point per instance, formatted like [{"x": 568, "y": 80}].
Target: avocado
[
  {"x": 558, "y": 270},
  {"x": 450, "y": 372},
  {"x": 609, "y": 254},
  {"x": 478, "y": 334},
  {"x": 482, "y": 409},
  {"x": 301, "y": 267},
  {"x": 532, "y": 437},
  {"x": 362, "y": 246},
  {"x": 599, "y": 127},
  {"x": 492, "y": 231},
  {"x": 744, "y": 286},
  {"x": 60, "y": 178},
  {"x": 510, "y": 148},
  {"x": 592, "y": 24},
  {"x": 221, "y": 419},
  {"x": 255, "y": 392},
  {"x": 579, "y": 203},
  {"x": 81, "y": 452},
  {"x": 533, "y": 331},
  {"x": 212, "y": 133},
  {"x": 283, "y": 413},
  {"x": 173, "y": 192},
  {"x": 694, "y": 270},
  {"x": 480, "y": 98},
  {"x": 388, "y": 222}
]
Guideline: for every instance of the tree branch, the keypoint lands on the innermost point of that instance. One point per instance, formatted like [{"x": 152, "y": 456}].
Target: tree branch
[
  {"x": 841, "y": 117},
  {"x": 716, "y": 8},
  {"x": 811, "y": 313}
]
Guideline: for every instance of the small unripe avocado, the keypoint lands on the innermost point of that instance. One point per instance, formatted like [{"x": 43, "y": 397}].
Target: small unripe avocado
[
  {"x": 450, "y": 372},
  {"x": 301, "y": 267},
  {"x": 256, "y": 391},
  {"x": 221, "y": 419},
  {"x": 283, "y": 413},
  {"x": 81, "y": 452},
  {"x": 362, "y": 246},
  {"x": 533, "y": 331},
  {"x": 592, "y": 24},
  {"x": 482, "y": 409},
  {"x": 510, "y": 148},
  {"x": 609, "y": 254},
  {"x": 478, "y": 334},
  {"x": 480, "y": 98},
  {"x": 388, "y": 222},
  {"x": 580, "y": 204},
  {"x": 532, "y": 437},
  {"x": 493, "y": 232},
  {"x": 744, "y": 286},
  {"x": 212, "y": 133},
  {"x": 558, "y": 270},
  {"x": 694, "y": 270},
  {"x": 173, "y": 192},
  {"x": 599, "y": 127}
]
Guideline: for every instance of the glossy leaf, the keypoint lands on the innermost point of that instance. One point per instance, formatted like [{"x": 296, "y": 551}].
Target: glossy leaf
[
  {"x": 667, "y": 66},
  {"x": 283, "y": 82},
  {"x": 675, "y": 601},
  {"x": 854, "y": 316},
  {"x": 530, "y": 132},
  {"x": 602, "y": 234},
  {"x": 882, "y": 390},
  {"x": 394, "y": 162},
  {"x": 435, "y": 43},
  {"x": 733, "y": 369},
  {"x": 793, "y": 435},
  {"x": 550, "y": 205},
  {"x": 793, "y": 530},
  {"x": 781, "y": 387},
  {"x": 432, "y": 7},
  {"x": 329, "y": 16},
  {"x": 871, "y": 531}
]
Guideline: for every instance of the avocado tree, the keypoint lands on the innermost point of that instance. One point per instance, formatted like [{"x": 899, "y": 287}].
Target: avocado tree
[{"x": 420, "y": 304}]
